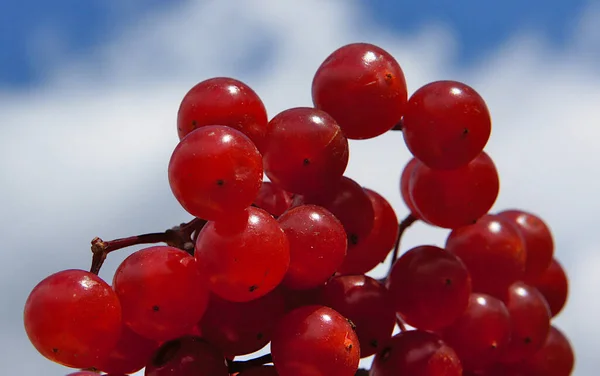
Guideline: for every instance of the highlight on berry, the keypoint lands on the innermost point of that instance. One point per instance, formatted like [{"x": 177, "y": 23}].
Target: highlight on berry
[{"x": 282, "y": 243}]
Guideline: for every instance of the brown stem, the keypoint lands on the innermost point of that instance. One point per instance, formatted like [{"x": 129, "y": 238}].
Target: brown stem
[
  {"x": 242, "y": 365},
  {"x": 179, "y": 237},
  {"x": 406, "y": 223}
]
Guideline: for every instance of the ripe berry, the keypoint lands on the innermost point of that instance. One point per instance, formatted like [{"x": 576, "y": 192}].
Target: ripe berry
[
  {"x": 73, "y": 318},
  {"x": 446, "y": 124},
  {"x": 215, "y": 172},
  {"x": 363, "y": 87}
]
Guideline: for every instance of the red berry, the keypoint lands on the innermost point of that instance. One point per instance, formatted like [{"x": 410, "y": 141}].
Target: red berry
[
  {"x": 242, "y": 328},
  {"x": 405, "y": 183},
  {"x": 162, "y": 292},
  {"x": 351, "y": 205},
  {"x": 455, "y": 198},
  {"x": 555, "y": 358},
  {"x": 530, "y": 322},
  {"x": 73, "y": 318},
  {"x": 187, "y": 356},
  {"x": 446, "y": 124},
  {"x": 315, "y": 340},
  {"x": 429, "y": 287},
  {"x": 415, "y": 353},
  {"x": 273, "y": 199},
  {"x": 129, "y": 355},
  {"x": 539, "y": 244},
  {"x": 482, "y": 332},
  {"x": 363, "y": 87},
  {"x": 554, "y": 285},
  {"x": 215, "y": 171},
  {"x": 223, "y": 101},
  {"x": 374, "y": 248},
  {"x": 244, "y": 257},
  {"x": 306, "y": 151},
  {"x": 493, "y": 252},
  {"x": 317, "y": 245},
  {"x": 366, "y": 303}
]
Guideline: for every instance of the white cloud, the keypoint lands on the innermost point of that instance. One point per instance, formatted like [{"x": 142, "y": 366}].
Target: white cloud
[{"x": 86, "y": 154}]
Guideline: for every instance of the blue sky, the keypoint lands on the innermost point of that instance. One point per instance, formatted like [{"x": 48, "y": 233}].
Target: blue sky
[
  {"x": 479, "y": 26},
  {"x": 89, "y": 92}
]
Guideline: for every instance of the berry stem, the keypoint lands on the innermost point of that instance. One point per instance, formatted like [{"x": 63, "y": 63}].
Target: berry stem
[
  {"x": 406, "y": 223},
  {"x": 242, "y": 365},
  {"x": 179, "y": 236}
]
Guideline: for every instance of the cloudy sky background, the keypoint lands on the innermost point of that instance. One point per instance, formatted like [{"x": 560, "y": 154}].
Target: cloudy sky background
[{"x": 89, "y": 93}]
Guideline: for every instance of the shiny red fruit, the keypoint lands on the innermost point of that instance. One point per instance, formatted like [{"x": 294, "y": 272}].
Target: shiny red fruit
[
  {"x": 555, "y": 358},
  {"x": 363, "y": 87},
  {"x": 446, "y": 124},
  {"x": 374, "y": 248},
  {"x": 129, "y": 355},
  {"x": 455, "y": 198},
  {"x": 306, "y": 151},
  {"x": 482, "y": 332},
  {"x": 215, "y": 171},
  {"x": 530, "y": 322},
  {"x": 223, "y": 101},
  {"x": 73, "y": 318},
  {"x": 162, "y": 292},
  {"x": 539, "y": 243},
  {"x": 416, "y": 353},
  {"x": 187, "y": 356},
  {"x": 405, "y": 183},
  {"x": 315, "y": 340},
  {"x": 554, "y": 285},
  {"x": 273, "y": 199},
  {"x": 244, "y": 257},
  {"x": 366, "y": 303},
  {"x": 429, "y": 287},
  {"x": 317, "y": 245},
  {"x": 350, "y": 203},
  {"x": 493, "y": 252},
  {"x": 242, "y": 328}
]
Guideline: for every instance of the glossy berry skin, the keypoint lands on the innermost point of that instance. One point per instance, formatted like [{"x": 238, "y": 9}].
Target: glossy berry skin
[
  {"x": 493, "y": 252},
  {"x": 366, "y": 303},
  {"x": 73, "y": 318},
  {"x": 374, "y": 248},
  {"x": 539, "y": 243},
  {"x": 363, "y": 87},
  {"x": 244, "y": 257},
  {"x": 242, "y": 328},
  {"x": 306, "y": 151},
  {"x": 429, "y": 287},
  {"x": 404, "y": 185},
  {"x": 317, "y": 245},
  {"x": 416, "y": 352},
  {"x": 223, "y": 101},
  {"x": 215, "y": 171},
  {"x": 530, "y": 322},
  {"x": 162, "y": 292},
  {"x": 187, "y": 356},
  {"x": 455, "y": 198},
  {"x": 446, "y": 124},
  {"x": 315, "y": 340},
  {"x": 273, "y": 199},
  {"x": 351, "y": 205},
  {"x": 554, "y": 285},
  {"x": 555, "y": 358},
  {"x": 481, "y": 333},
  {"x": 129, "y": 355}
]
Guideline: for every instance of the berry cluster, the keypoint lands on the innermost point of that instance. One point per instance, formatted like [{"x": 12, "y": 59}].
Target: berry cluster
[{"x": 284, "y": 261}]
